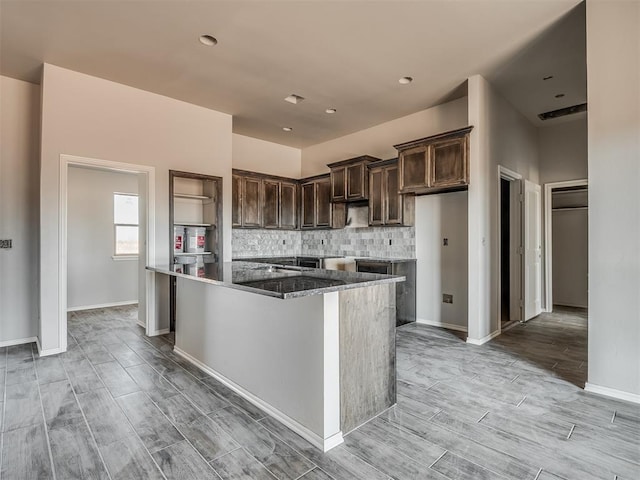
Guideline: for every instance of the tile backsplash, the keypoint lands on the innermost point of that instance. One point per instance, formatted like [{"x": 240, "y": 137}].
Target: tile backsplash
[{"x": 384, "y": 242}]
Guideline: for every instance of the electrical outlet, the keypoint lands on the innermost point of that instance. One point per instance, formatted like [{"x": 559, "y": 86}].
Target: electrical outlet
[
  {"x": 5, "y": 243},
  {"x": 389, "y": 241},
  {"x": 322, "y": 241},
  {"x": 445, "y": 242},
  {"x": 447, "y": 298},
  {"x": 284, "y": 242}
]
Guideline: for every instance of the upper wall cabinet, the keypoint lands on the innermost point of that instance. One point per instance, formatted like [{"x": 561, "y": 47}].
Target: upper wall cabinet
[
  {"x": 386, "y": 205},
  {"x": 316, "y": 208},
  {"x": 349, "y": 179},
  {"x": 264, "y": 201},
  {"x": 435, "y": 164}
]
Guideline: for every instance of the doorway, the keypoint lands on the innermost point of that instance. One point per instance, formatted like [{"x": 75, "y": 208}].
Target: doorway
[
  {"x": 566, "y": 245},
  {"x": 510, "y": 308},
  {"x": 145, "y": 179}
]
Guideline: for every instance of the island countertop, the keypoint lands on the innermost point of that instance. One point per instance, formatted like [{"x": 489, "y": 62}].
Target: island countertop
[{"x": 278, "y": 281}]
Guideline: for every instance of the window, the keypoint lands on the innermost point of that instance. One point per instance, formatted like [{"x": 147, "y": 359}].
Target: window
[{"x": 125, "y": 220}]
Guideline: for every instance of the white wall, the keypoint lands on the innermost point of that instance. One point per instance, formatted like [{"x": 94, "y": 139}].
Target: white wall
[
  {"x": 613, "y": 77},
  {"x": 501, "y": 136},
  {"x": 563, "y": 151},
  {"x": 261, "y": 156},
  {"x": 19, "y": 162},
  {"x": 378, "y": 141},
  {"x": 91, "y": 117},
  {"x": 570, "y": 258},
  {"x": 93, "y": 276},
  {"x": 442, "y": 269}
]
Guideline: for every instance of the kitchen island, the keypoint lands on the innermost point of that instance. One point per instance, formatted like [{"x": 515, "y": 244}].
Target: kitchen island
[{"x": 313, "y": 348}]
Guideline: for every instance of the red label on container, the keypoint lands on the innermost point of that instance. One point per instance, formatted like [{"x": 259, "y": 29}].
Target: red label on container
[
  {"x": 200, "y": 241},
  {"x": 178, "y": 245}
]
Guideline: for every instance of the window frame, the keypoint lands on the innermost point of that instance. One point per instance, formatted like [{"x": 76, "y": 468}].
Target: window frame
[{"x": 124, "y": 256}]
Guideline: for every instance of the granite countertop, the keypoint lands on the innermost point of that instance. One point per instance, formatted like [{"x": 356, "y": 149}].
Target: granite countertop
[
  {"x": 280, "y": 282},
  {"x": 385, "y": 260},
  {"x": 279, "y": 257}
]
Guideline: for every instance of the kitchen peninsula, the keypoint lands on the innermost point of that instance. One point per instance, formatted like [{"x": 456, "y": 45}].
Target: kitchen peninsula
[{"x": 313, "y": 348}]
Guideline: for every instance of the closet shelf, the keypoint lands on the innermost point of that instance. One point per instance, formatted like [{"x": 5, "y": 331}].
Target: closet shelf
[
  {"x": 190, "y": 196},
  {"x": 184, "y": 254}
]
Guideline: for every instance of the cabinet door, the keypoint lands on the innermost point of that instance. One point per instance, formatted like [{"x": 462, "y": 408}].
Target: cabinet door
[
  {"x": 391, "y": 187},
  {"x": 251, "y": 202},
  {"x": 323, "y": 202},
  {"x": 449, "y": 163},
  {"x": 338, "y": 185},
  {"x": 271, "y": 204},
  {"x": 414, "y": 171},
  {"x": 357, "y": 186},
  {"x": 376, "y": 197},
  {"x": 236, "y": 201},
  {"x": 288, "y": 205},
  {"x": 308, "y": 205}
]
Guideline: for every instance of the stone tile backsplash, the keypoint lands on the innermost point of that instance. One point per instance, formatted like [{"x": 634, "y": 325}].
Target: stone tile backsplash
[
  {"x": 247, "y": 243},
  {"x": 385, "y": 242}
]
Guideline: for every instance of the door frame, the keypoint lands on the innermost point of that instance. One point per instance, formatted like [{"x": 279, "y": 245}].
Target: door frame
[
  {"x": 67, "y": 161},
  {"x": 516, "y": 236},
  {"x": 547, "y": 250}
]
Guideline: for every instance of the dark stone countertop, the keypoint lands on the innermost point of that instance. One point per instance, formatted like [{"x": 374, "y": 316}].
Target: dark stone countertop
[
  {"x": 280, "y": 282},
  {"x": 385, "y": 260}
]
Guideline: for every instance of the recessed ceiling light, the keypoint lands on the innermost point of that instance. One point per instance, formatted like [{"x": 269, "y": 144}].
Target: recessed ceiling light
[
  {"x": 208, "y": 40},
  {"x": 548, "y": 77},
  {"x": 293, "y": 98},
  {"x": 330, "y": 110},
  {"x": 405, "y": 80},
  {"x": 560, "y": 95},
  {"x": 287, "y": 129}
]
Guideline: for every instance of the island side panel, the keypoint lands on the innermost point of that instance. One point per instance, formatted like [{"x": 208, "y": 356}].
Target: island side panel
[
  {"x": 367, "y": 353},
  {"x": 270, "y": 347}
]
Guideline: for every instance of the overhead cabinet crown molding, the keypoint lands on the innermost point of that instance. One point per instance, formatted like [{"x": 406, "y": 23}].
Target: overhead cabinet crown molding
[
  {"x": 435, "y": 164},
  {"x": 349, "y": 179}
]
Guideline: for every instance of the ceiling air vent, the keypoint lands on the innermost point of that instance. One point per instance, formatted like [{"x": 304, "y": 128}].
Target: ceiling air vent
[{"x": 563, "y": 112}]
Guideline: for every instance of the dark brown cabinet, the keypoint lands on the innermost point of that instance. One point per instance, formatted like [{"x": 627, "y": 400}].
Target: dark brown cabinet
[
  {"x": 349, "y": 179},
  {"x": 434, "y": 164},
  {"x": 317, "y": 211},
  {"x": 264, "y": 201},
  {"x": 386, "y": 205}
]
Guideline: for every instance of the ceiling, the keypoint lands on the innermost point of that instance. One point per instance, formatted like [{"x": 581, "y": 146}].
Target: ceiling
[{"x": 346, "y": 55}]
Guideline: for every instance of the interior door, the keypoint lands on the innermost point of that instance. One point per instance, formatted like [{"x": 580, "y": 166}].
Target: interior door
[{"x": 532, "y": 250}]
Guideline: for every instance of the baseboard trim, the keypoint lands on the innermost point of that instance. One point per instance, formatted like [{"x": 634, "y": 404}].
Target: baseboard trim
[
  {"x": 324, "y": 444},
  {"x": 162, "y": 331},
  {"x": 612, "y": 392},
  {"x": 483, "y": 340},
  {"x": 448, "y": 326},
  {"x": 102, "y": 305},
  {"x": 18, "y": 341},
  {"x": 570, "y": 305}
]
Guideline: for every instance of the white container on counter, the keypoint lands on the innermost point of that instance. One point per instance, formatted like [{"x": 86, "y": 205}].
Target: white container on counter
[
  {"x": 178, "y": 239},
  {"x": 196, "y": 269},
  {"x": 195, "y": 239}
]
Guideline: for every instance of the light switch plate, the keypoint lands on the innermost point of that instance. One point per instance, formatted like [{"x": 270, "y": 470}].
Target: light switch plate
[{"x": 447, "y": 298}]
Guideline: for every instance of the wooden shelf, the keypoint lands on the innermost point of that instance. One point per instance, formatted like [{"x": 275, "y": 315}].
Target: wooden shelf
[
  {"x": 184, "y": 254},
  {"x": 191, "y": 224},
  {"x": 190, "y": 196}
]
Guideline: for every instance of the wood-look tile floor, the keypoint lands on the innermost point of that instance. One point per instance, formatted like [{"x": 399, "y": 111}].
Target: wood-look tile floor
[{"x": 119, "y": 405}]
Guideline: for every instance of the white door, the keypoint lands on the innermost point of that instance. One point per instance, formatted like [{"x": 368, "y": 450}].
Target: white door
[{"x": 532, "y": 250}]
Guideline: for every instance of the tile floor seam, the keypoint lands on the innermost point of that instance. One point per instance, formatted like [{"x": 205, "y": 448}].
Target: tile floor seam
[
  {"x": 44, "y": 418},
  {"x": 84, "y": 417},
  {"x": 252, "y": 456}
]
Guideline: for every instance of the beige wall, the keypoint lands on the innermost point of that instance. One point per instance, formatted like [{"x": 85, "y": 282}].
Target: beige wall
[
  {"x": 261, "y": 156},
  {"x": 378, "y": 141},
  {"x": 613, "y": 77},
  {"x": 563, "y": 151},
  {"x": 19, "y": 165},
  {"x": 91, "y": 117},
  {"x": 501, "y": 136}
]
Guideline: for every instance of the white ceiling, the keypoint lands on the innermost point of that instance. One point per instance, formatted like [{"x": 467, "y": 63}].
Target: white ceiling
[{"x": 347, "y": 55}]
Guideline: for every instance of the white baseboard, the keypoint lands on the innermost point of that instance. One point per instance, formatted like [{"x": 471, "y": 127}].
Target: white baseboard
[
  {"x": 324, "y": 444},
  {"x": 18, "y": 341},
  {"x": 448, "y": 326},
  {"x": 569, "y": 305},
  {"x": 482, "y": 341},
  {"x": 162, "y": 331},
  {"x": 612, "y": 392},
  {"x": 102, "y": 305}
]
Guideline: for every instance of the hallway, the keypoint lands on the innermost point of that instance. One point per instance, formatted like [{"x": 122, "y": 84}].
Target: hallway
[{"x": 120, "y": 405}]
